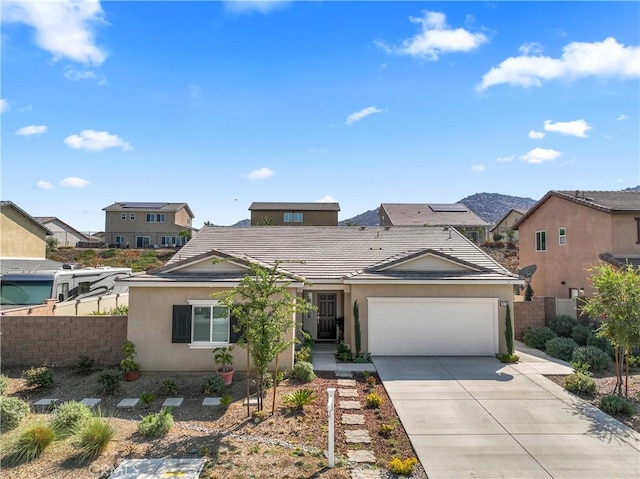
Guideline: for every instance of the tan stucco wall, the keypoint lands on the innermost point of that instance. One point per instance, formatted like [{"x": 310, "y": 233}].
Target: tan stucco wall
[
  {"x": 149, "y": 327},
  {"x": 362, "y": 292},
  {"x": 310, "y": 218},
  {"x": 19, "y": 237},
  {"x": 507, "y": 223},
  {"x": 590, "y": 232},
  {"x": 182, "y": 217}
]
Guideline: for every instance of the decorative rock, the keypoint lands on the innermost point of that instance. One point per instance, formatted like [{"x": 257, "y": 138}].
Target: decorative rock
[
  {"x": 349, "y": 405},
  {"x": 353, "y": 419},
  {"x": 128, "y": 403},
  {"x": 172, "y": 402},
  {"x": 348, "y": 393},
  {"x": 211, "y": 402},
  {"x": 91, "y": 402},
  {"x": 347, "y": 383},
  {"x": 361, "y": 456},
  {"x": 358, "y": 436},
  {"x": 365, "y": 474}
]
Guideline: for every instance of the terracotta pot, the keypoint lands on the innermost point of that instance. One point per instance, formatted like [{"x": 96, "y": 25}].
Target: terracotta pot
[
  {"x": 131, "y": 375},
  {"x": 227, "y": 376}
]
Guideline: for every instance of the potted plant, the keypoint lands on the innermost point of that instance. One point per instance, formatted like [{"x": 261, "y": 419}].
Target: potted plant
[
  {"x": 128, "y": 365},
  {"x": 224, "y": 359}
]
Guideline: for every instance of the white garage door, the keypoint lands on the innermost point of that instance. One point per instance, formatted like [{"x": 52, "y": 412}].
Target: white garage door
[{"x": 433, "y": 326}]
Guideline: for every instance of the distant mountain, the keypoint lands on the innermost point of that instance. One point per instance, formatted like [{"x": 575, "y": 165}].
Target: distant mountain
[
  {"x": 491, "y": 207},
  {"x": 244, "y": 222},
  {"x": 368, "y": 218},
  {"x": 634, "y": 188}
]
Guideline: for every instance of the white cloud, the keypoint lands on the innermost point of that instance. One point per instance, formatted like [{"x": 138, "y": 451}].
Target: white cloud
[
  {"x": 623, "y": 117},
  {"x": 260, "y": 174},
  {"x": 600, "y": 59},
  {"x": 531, "y": 48},
  {"x": 435, "y": 38},
  {"x": 250, "y": 6},
  {"x": 79, "y": 75},
  {"x": 478, "y": 168},
  {"x": 504, "y": 159},
  {"x": 327, "y": 199},
  {"x": 92, "y": 140},
  {"x": 540, "y": 155},
  {"x": 359, "y": 115},
  {"x": 4, "y": 105},
  {"x": 536, "y": 135},
  {"x": 32, "y": 130},
  {"x": 74, "y": 182},
  {"x": 577, "y": 128},
  {"x": 44, "y": 185},
  {"x": 62, "y": 27}
]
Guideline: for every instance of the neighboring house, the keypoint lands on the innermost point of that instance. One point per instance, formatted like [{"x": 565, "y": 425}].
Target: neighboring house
[
  {"x": 435, "y": 214},
  {"x": 23, "y": 242},
  {"x": 567, "y": 232},
  {"x": 505, "y": 225},
  {"x": 420, "y": 290},
  {"x": 294, "y": 214},
  {"x": 147, "y": 225},
  {"x": 65, "y": 234}
]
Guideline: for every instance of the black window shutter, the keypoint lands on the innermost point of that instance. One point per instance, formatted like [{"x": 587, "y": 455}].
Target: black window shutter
[
  {"x": 233, "y": 335},
  {"x": 181, "y": 325}
]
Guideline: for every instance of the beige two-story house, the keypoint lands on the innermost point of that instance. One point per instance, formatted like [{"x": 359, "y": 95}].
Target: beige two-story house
[
  {"x": 505, "y": 225},
  {"x": 456, "y": 215},
  {"x": 147, "y": 225},
  {"x": 567, "y": 232},
  {"x": 294, "y": 214}
]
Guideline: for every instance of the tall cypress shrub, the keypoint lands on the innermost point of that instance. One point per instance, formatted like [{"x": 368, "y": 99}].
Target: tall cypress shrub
[
  {"x": 508, "y": 332},
  {"x": 356, "y": 325}
]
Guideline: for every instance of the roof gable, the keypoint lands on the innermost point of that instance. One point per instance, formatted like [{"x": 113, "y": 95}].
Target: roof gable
[
  {"x": 427, "y": 260},
  {"x": 25, "y": 215}
]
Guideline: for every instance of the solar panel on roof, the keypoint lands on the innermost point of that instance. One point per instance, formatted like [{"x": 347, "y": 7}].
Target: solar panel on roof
[
  {"x": 454, "y": 207},
  {"x": 142, "y": 205}
]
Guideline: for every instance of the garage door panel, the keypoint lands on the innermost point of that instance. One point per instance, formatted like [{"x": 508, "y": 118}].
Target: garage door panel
[{"x": 432, "y": 326}]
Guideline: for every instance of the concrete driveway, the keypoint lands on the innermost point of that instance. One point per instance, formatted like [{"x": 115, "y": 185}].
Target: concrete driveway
[{"x": 474, "y": 417}]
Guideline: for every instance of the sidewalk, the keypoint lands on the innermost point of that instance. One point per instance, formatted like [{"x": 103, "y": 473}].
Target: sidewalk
[{"x": 324, "y": 359}]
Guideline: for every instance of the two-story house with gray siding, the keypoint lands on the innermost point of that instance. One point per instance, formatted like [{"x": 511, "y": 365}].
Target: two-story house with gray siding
[{"x": 147, "y": 225}]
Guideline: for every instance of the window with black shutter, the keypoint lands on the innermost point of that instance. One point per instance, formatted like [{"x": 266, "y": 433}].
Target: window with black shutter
[{"x": 181, "y": 325}]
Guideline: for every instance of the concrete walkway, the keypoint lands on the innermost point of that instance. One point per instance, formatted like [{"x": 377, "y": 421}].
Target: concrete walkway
[
  {"x": 323, "y": 356},
  {"x": 474, "y": 417}
]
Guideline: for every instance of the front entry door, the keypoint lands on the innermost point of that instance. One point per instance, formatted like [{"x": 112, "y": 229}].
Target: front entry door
[{"x": 326, "y": 316}]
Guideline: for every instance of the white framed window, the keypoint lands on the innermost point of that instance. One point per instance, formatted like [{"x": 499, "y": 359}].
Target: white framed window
[
  {"x": 297, "y": 217},
  {"x": 562, "y": 236},
  {"x": 156, "y": 218},
  {"x": 210, "y": 323},
  {"x": 120, "y": 240},
  {"x": 541, "y": 241},
  {"x": 123, "y": 216},
  {"x": 132, "y": 216},
  {"x": 288, "y": 217}
]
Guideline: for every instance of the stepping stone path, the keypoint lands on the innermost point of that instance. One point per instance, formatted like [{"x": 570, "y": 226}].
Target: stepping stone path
[
  {"x": 91, "y": 402},
  {"x": 45, "y": 403},
  {"x": 349, "y": 405},
  {"x": 358, "y": 436},
  {"x": 128, "y": 403},
  {"x": 211, "y": 402},
  {"x": 348, "y": 393},
  {"x": 353, "y": 419},
  {"x": 172, "y": 402}
]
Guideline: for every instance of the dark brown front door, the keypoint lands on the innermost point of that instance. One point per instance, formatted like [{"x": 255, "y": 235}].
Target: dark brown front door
[{"x": 326, "y": 316}]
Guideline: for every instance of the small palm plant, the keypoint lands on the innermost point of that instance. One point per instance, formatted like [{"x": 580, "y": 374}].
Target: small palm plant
[{"x": 300, "y": 398}]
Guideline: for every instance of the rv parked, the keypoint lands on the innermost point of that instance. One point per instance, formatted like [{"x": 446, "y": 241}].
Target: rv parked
[{"x": 65, "y": 284}]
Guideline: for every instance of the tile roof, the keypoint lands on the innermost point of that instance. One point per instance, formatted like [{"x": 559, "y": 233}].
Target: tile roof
[
  {"x": 620, "y": 261},
  {"x": 422, "y": 214},
  {"x": 294, "y": 206},
  {"x": 333, "y": 253}
]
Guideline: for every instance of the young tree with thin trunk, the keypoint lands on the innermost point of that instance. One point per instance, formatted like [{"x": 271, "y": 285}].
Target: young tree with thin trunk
[{"x": 616, "y": 302}]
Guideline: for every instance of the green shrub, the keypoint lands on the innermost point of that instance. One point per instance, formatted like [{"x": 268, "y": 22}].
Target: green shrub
[
  {"x": 147, "y": 399},
  {"x": 30, "y": 444},
  {"x": 579, "y": 383},
  {"x": 169, "y": 387},
  {"x": 300, "y": 398},
  {"x": 581, "y": 368},
  {"x": 156, "y": 424},
  {"x": 402, "y": 467},
  {"x": 374, "y": 401},
  {"x": 12, "y": 412},
  {"x": 85, "y": 365},
  {"x": 602, "y": 343},
  {"x": 213, "y": 386},
  {"x": 614, "y": 404},
  {"x": 94, "y": 438},
  {"x": 596, "y": 358},
  {"x": 343, "y": 352},
  {"x": 69, "y": 417},
  {"x": 561, "y": 348},
  {"x": 303, "y": 371},
  {"x": 110, "y": 253},
  {"x": 537, "y": 337},
  {"x": 303, "y": 354},
  {"x": 562, "y": 325},
  {"x": 226, "y": 400},
  {"x": 4, "y": 384},
  {"x": 40, "y": 377},
  {"x": 385, "y": 430},
  {"x": 110, "y": 381},
  {"x": 581, "y": 333}
]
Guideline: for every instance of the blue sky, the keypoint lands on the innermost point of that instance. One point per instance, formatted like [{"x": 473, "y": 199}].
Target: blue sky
[{"x": 219, "y": 104}]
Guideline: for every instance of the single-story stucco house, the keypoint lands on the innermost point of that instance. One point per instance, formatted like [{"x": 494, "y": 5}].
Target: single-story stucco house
[{"x": 420, "y": 290}]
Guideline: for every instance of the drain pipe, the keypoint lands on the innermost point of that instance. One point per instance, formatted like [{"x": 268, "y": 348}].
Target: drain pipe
[{"x": 330, "y": 403}]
